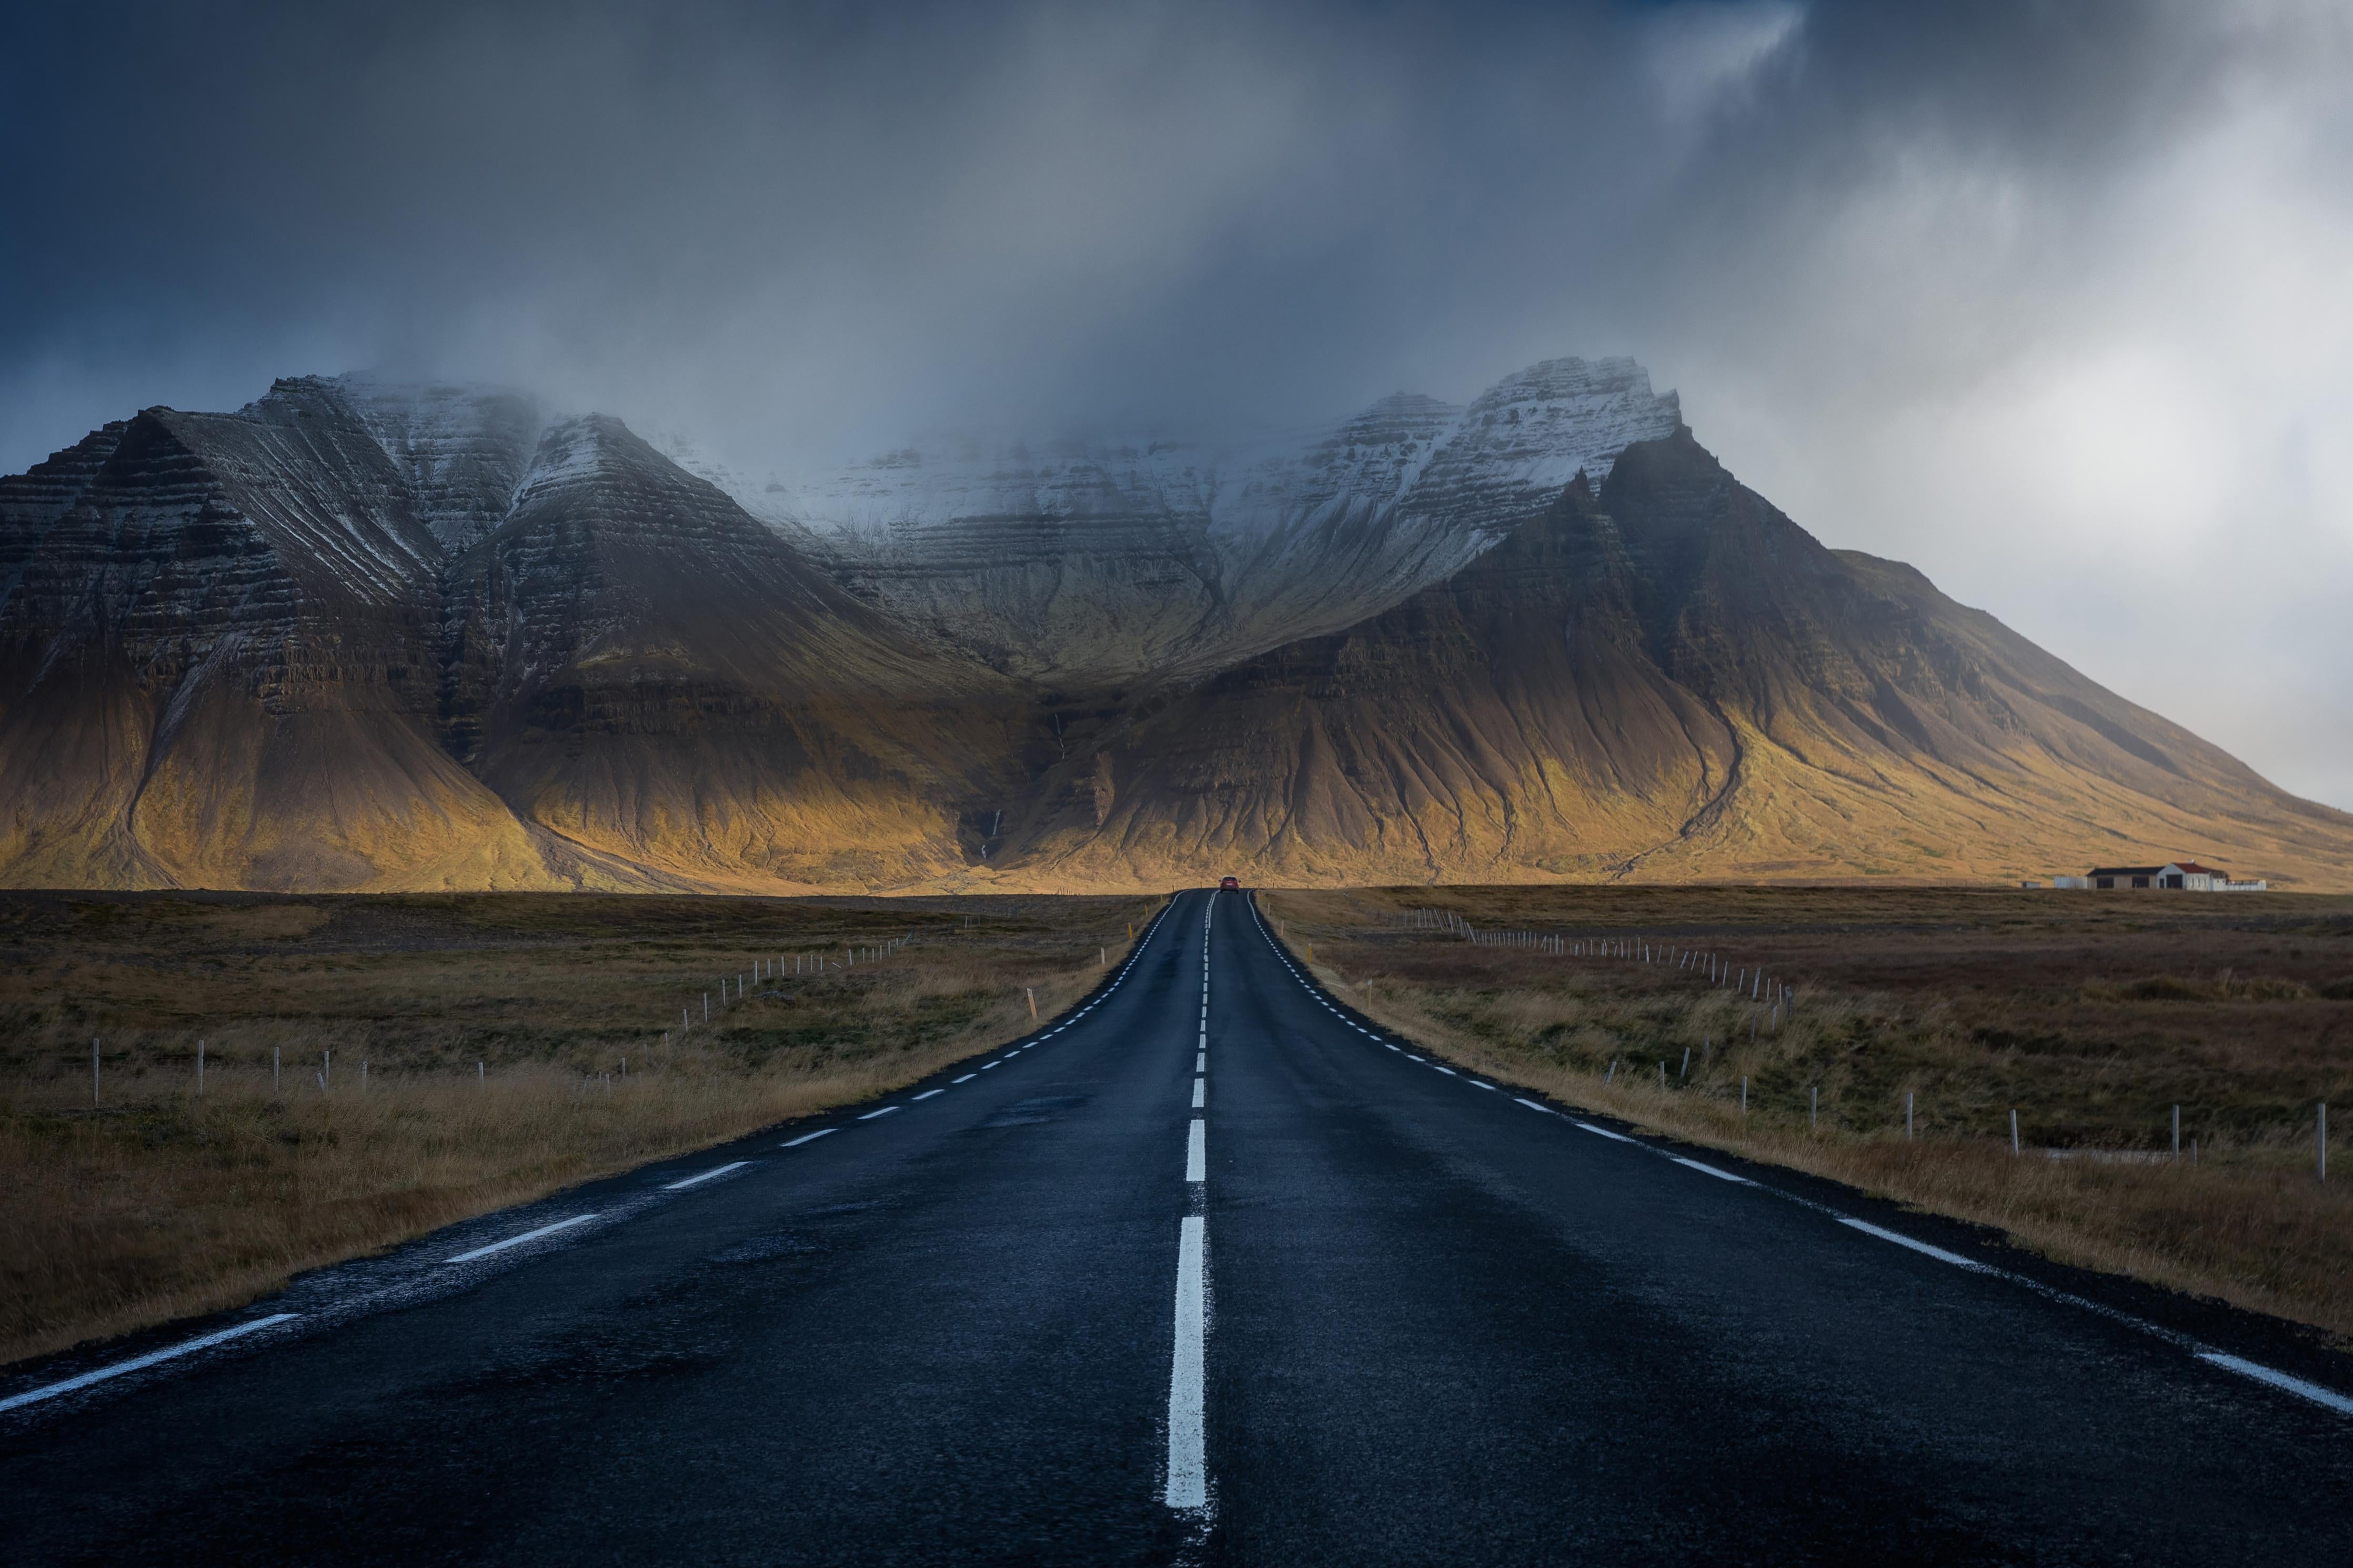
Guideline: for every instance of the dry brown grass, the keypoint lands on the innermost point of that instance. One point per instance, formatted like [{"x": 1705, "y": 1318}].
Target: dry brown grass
[
  {"x": 156, "y": 1203},
  {"x": 2092, "y": 1016}
]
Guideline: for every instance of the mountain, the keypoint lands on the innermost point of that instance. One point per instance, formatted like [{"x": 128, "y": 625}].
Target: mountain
[
  {"x": 365, "y": 634},
  {"x": 1669, "y": 681},
  {"x": 322, "y": 643}
]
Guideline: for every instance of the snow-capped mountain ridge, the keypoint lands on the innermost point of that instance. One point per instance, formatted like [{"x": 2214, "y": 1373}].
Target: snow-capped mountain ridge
[
  {"x": 1557, "y": 416},
  {"x": 1086, "y": 559}
]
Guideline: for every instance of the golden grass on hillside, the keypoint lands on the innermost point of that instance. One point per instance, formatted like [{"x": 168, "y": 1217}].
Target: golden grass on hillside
[
  {"x": 486, "y": 1049},
  {"x": 2092, "y": 1016}
]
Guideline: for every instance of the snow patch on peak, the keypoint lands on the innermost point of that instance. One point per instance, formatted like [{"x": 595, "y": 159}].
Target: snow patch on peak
[{"x": 573, "y": 451}]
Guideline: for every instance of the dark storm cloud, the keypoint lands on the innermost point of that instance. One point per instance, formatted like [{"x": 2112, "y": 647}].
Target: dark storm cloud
[
  {"x": 1860, "y": 237},
  {"x": 745, "y": 213}
]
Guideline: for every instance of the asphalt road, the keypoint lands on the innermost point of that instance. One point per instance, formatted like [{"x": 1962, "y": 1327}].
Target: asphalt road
[{"x": 1211, "y": 1272}]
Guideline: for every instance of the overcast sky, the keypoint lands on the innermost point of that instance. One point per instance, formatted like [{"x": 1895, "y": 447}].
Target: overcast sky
[{"x": 2053, "y": 299}]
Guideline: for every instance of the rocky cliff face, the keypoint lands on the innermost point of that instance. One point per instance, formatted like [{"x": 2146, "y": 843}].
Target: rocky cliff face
[{"x": 361, "y": 636}]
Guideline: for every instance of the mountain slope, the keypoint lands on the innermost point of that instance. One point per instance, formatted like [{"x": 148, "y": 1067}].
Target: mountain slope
[
  {"x": 1671, "y": 681},
  {"x": 643, "y": 670}
]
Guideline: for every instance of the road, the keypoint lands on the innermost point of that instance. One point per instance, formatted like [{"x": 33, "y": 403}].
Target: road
[{"x": 1211, "y": 1272}]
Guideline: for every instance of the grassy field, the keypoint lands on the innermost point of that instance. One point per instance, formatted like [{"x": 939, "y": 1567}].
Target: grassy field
[
  {"x": 440, "y": 1056},
  {"x": 2091, "y": 1015}
]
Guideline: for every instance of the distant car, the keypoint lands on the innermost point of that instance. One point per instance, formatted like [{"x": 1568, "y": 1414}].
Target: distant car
[{"x": 1231, "y": 885}]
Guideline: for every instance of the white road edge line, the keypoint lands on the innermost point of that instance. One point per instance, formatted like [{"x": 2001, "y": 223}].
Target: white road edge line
[
  {"x": 807, "y": 1136},
  {"x": 50, "y": 1391},
  {"x": 1189, "y": 1463},
  {"x": 1532, "y": 1105},
  {"x": 1711, "y": 1170},
  {"x": 1938, "y": 1253},
  {"x": 872, "y": 1114},
  {"x": 927, "y": 1094},
  {"x": 706, "y": 1175},
  {"x": 1200, "y": 1084},
  {"x": 2260, "y": 1373},
  {"x": 1605, "y": 1132},
  {"x": 1197, "y": 1154},
  {"x": 519, "y": 1240},
  {"x": 965, "y": 1078}
]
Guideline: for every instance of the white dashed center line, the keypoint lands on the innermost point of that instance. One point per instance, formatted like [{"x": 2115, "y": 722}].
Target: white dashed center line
[{"x": 1188, "y": 1462}]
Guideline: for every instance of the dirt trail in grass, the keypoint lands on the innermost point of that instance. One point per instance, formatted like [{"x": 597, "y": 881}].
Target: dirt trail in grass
[
  {"x": 2091, "y": 1016},
  {"x": 438, "y": 1058}
]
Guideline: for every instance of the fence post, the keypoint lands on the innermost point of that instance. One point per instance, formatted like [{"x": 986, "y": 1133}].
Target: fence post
[
  {"x": 93, "y": 1075},
  {"x": 2323, "y": 1139},
  {"x": 2013, "y": 1131},
  {"x": 1814, "y": 1108},
  {"x": 1744, "y": 1096},
  {"x": 2177, "y": 1132},
  {"x": 1907, "y": 1113},
  {"x": 200, "y": 1069},
  {"x": 273, "y": 1070},
  {"x": 1032, "y": 995}
]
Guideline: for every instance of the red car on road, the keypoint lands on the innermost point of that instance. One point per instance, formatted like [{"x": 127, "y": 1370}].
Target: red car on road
[{"x": 1231, "y": 885}]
